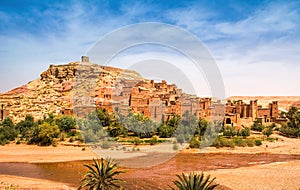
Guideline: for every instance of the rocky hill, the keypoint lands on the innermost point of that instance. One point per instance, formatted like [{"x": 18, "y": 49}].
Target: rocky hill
[
  {"x": 79, "y": 87},
  {"x": 52, "y": 92}
]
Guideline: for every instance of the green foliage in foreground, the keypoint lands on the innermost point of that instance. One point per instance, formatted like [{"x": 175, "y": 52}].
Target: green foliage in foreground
[
  {"x": 101, "y": 175},
  {"x": 194, "y": 182},
  {"x": 42, "y": 132}
]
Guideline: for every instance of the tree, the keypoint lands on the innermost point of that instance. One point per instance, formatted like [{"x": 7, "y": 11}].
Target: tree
[
  {"x": 269, "y": 130},
  {"x": 294, "y": 117},
  {"x": 201, "y": 127},
  {"x": 7, "y": 131},
  {"x": 292, "y": 127},
  {"x": 229, "y": 131},
  {"x": 104, "y": 117},
  {"x": 174, "y": 121},
  {"x": 101, "y": 175},
  {"x": 257, "y": 126},
  {"x": 165, "y": 131},
  {"x": 194, "y": 182},
  {"x": 24, "y": 127},
  {"x": 245, "y": 132},
  {"x": 66, "y": 123},
  {"x": 46, "y": 134},
  {"x": 49, "y": 118},
  {"x": 194, "y": 142}
]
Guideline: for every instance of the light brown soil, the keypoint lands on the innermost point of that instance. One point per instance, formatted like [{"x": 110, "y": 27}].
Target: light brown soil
[
  {"x": 33, "y": 153},
  {"x": 159, "y": 177},
  {"x": 276, "y": 166},
  {"x": 277, "y": 175},
  {"x": 24, "y": 183}
]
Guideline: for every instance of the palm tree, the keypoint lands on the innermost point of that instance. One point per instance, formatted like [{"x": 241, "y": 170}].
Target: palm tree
[
  {"x": 194, "y": 182},
  {"x": 101, "y": 175}
]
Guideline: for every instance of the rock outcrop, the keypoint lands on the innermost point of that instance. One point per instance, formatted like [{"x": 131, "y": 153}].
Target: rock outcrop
[{"x": 80, "y": 87}]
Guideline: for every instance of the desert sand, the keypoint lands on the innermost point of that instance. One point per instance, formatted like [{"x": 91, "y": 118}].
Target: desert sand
[
  {"x": 277, "y": 173},
  {"x": 16, "y": 182},
  {"x": 34, "y": 153},
  {"x": 273, "y": 176}
]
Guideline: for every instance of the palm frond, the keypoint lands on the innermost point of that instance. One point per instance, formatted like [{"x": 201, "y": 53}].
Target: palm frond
[
  {"x": 101, "y": 175},
  {"x": 194, "y": 182}
]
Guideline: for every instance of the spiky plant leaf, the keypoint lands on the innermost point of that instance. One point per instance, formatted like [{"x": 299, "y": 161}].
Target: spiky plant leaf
[
  {"x": 101, "y": 175},
  {"x": 194, "y": 182}
]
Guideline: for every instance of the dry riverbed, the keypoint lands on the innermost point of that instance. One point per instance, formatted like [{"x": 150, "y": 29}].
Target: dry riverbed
[{"x": 274, "y": 165}]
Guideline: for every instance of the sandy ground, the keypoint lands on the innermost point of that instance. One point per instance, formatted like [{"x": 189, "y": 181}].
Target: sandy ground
[
  {"x": 16, "y": 182},
  {"x": 274, "y": 176},
  {"x": 33, "y": 153},
  {"x": 284, "y": 145},
  {"x": 270, "y": 175}
]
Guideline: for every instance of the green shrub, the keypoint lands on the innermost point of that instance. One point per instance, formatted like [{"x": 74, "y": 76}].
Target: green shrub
[
  {"x": 45, "y": 134},
  {"x": 249, "y": 142},
  {"x": 229, "y": 131},
  {"x": 65, "y": 123},
  {"x": 239, "y": 142},
  {"x": 245, "y": 132},
  {"x": 223, "y": 142},
  {"x": 153, "y": 140},
  {"x": 7, "y": 131},
  {"x": 137, "y": 141},
  {"x": 258, "y": 142},
  {"x": 194, "y": 143},
  {"x": 257, "y": 126},
  {"x": 289, "y": 131},
  {"x": 268, "y": 131}
]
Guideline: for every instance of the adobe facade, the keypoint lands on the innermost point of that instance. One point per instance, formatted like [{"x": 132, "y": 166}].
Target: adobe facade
[
  {"x": 122, "y": 91},
  {"x": 239, "y": 113}
]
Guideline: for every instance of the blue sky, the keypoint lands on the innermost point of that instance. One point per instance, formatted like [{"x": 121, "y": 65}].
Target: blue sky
[{"x": 256, "y": 44}]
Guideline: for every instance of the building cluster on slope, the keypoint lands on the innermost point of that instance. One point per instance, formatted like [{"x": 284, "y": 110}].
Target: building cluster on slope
[
  {"x": 123, "y": 91},
  {"x": 242, "y": 114}
]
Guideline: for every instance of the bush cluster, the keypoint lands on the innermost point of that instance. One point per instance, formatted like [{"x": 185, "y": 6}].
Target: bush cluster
[
  {"x": 47, "y": 131},
  {"x": 236, "y": 141}
]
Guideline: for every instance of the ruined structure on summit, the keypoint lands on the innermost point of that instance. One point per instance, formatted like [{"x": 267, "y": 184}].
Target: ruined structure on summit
[{"x": 81, "y": 87}]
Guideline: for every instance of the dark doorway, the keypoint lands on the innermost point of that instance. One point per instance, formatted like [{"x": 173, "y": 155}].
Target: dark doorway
[{"x": 228, "y": 121}]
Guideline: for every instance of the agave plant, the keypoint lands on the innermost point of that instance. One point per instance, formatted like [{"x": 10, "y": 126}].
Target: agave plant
[
  {"x": 101, "y": 175},
  {"x": 194, "y": 182}
]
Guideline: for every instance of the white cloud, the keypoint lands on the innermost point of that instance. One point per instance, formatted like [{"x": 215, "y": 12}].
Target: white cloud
[{"x": 258, "y": 54}]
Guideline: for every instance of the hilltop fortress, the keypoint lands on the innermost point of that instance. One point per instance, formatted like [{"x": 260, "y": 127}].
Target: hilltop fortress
[{"x": 121, "y": 90}]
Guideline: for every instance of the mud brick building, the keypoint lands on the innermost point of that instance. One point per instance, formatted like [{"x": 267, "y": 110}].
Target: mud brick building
[{"x": 81, "y": 87}]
